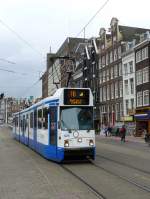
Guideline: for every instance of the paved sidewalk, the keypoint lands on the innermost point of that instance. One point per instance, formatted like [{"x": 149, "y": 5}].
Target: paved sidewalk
[{"x": 128, "y": 138}]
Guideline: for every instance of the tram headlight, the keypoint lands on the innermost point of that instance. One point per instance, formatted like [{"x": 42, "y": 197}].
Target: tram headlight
[
  {"x": 91, "y": 143},
  {"x": 66, "y": 143},
  {"x": 79, "y": 139}
]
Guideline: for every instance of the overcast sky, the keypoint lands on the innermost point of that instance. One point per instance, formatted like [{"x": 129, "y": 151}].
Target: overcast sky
[{"x": 45, "y": 23}]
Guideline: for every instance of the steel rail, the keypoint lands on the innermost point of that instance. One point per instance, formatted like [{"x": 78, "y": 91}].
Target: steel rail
[
  {"x": 123, "y": 164},
  {"x": 142, "y": 187},
  {"x": 91, "y": 188}
]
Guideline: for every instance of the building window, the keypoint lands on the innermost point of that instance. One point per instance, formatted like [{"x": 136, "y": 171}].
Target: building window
[
  {"x": 116, "y": 89},
  {"x": 112, "y": 73},
  {"x": 101, "y": 94},
  {"x": 131, "y": 86},
  {"x": 119, "y": 52},
  {"x": 121, "y": 109},
  {"x": 138, "y": 56},
  {"x": 131, "y": 67},
  {"x": 139, "y": 77},
  {"x": 111, "y": 57},
  {"x": 132, "y": 104},
  {"x": 125, "y": 69},
  {"x": 107, "y": 75},
  {"x": 117, "y": 112},
  {"x": 100, "y": 77},
  {"x": 139, "y": 98},
  {"x": 115, "y": 71},
  {"x": 127, "y": 106},
  {"x": 112, "y": 91},
  {"x": 104, "y": 93},
  {"x": 146, "y": 98},
  {"x": 108, "y": 92},
  {"x": 120, "y": 88},
  {"x": 115, "y": 54},
  {"x": 146, "y": 75},
  {"x": 103, "y": 61},
  {"x": 107, "y": 59},
  {"x": 144, "y": 53},
  {"x": 120, "y": 69},
  {"x": 126, "y": 87},
  {"x": 100, "y": 65},
  {"x": 104, "y": 76}
]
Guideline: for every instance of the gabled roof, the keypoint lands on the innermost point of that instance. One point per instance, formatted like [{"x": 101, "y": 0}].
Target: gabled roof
[
  {"x": 130, "y": 33},
  {"x": 69, "y": 46}
]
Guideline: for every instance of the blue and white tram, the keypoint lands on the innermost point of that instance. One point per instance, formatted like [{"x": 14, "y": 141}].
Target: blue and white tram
[{"x": 59, "y": 127}]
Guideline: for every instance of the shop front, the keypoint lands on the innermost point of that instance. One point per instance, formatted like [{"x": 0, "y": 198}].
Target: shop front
[{"x": 142, "y": 118}]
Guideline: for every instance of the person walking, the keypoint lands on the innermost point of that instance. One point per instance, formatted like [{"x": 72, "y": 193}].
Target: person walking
[{"x": 123, "y": 133}]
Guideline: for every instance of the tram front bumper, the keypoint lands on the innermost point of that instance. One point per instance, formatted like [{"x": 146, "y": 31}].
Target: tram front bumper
[{"x": 75, "y": 153}]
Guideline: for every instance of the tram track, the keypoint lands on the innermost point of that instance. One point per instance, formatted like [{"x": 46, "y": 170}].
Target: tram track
[
  {"x": 140, "y": 186},
  {"x": 123, "y": 164},
  {"x": 90, "y": 187}
]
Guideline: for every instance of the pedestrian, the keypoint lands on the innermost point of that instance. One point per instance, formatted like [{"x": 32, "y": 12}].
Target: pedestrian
[
  {"x": 109, "y": 130},
  {"x": 123, "y": 133},
  {"x": 105, "y": 131}
]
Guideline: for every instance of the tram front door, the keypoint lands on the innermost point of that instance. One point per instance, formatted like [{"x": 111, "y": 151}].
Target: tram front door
[{"x": 53, "y": 130}]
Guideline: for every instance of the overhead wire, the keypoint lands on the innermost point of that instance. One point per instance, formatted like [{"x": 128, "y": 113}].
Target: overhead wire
[
  {"x": 19, "y": 36},
  {"x": 83, "y": 29},
  {"x": 8, "y": 61}
]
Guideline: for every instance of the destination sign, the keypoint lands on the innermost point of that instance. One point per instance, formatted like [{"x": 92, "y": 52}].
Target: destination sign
[{"x": 76, "y": 96}]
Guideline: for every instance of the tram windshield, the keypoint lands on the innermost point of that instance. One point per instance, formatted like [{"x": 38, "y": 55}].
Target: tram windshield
[{"x": 76, "y": 118}]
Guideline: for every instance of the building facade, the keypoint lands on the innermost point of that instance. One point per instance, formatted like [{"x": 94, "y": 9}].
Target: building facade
[
  {"x": 142, "y": 59},
  {"x": 129, "y": 94},
  {"x": 112, "y": 46}
]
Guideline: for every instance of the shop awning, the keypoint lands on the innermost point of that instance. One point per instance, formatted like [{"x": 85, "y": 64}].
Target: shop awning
[{"x": 144, "y": 116}]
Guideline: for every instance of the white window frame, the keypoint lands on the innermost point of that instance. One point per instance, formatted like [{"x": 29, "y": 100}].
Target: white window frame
[
  {"x": 138, "y": 56},
  {"x": 107, "y": 75},
  {"x": 145, "y": 94},
  {"x": 115, "y": 71},
  {"x": 112, "y": 91},
  {"x": 139, "y": 99},
  {"x": 108, "y": 92},
  {"x": 116, "y": 89},
  {"x": 146, "y": 75},
  {"x": 131, "y": 70},
  {"x": 131, "y": 86},
  {"x": 101, "y": 94},
  {"x": 119, "y": 52},
  {"x": 139, "y": 79},
  {"x": 112, "y": 72},
  {"x": 126, "y": 87},
  {"x": 104, "y": 93},
  {"x": 125, "y": 69},
  {"x": 120, "y": 89},
  {"x": 120, "y": 69}
]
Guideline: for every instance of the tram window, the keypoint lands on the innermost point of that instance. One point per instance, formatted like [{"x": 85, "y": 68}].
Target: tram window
[
  {"x": 31, "y": 120},
  {"x": 24, "y": 124},
  {"x": 21, "y": 125},
  {"x": 35, "y": 119},
  {"x": 16, "y": 121},
  {"x": 27, "y": 121},
  {"x": 45, "y": 118},
  {"x": 39, "y": 118}
]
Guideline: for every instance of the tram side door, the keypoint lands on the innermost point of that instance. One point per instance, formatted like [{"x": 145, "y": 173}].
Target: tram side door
[{"x": 53, "y": 130}]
